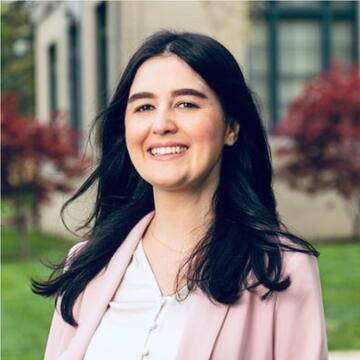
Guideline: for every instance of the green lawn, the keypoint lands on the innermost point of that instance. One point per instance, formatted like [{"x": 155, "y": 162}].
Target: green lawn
[
  {"x": 340, "y": 278},
  {"x": 26, "y": 317}
]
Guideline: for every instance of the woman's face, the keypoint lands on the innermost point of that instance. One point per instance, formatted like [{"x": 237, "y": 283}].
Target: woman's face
[{"x": 174, "y": 126}]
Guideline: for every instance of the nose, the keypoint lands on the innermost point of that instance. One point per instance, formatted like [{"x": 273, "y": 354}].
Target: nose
[{"x": 163, "y": 123}]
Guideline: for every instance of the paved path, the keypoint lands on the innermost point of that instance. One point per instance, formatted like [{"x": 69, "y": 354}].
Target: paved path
[{"x": 344, "y": 355}]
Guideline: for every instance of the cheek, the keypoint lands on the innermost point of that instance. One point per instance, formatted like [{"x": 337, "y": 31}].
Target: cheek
[
  {"x": 211, "y": 131},
  {"x": 134, "y": 140},
  {"x": 128, "y": 137},
  {"x": 134, "y": 134}
]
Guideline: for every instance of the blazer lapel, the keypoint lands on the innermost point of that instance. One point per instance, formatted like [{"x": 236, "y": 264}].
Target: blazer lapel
[
  {"x": 100, "y": 291},
  {"x": 202, "y": 328}
]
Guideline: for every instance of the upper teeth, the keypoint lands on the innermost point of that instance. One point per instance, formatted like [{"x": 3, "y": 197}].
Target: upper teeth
[{"x": 168, "y": 150}]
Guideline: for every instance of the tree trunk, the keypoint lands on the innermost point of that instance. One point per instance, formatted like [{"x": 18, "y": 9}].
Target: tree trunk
[
  {"x": 356, "y": 225},
  {"x": 35, "y": 215},
  {"x": 21, "y": 228},
  {"x": 352, "y": 207}
]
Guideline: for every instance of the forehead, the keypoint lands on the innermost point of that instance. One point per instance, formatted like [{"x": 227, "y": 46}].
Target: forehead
[{"x": 166, "y": 72}]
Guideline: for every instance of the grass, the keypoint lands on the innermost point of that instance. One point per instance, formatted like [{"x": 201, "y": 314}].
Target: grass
[
  {"x": 26, "y": 317},
  {"x": 340, "y": 279}
]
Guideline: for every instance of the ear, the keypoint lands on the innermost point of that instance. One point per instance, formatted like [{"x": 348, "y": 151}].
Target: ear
[{"x": 232, "y": 133}]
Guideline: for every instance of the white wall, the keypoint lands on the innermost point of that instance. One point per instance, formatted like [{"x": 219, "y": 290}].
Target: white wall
[
  {"x": 88, "y": 62},
  {"x": 224, "y": 20},
  {"x": 52, "y": 29},
  {"x": 314, "y": 217}
]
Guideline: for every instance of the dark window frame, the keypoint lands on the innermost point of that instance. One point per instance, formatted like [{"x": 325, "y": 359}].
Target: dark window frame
[
  {"x": 326, "y": 14},
  {"x": 102, "y": 55},
  {"x": 53, "y": 78},
  {"x": 74, "y": 76}
]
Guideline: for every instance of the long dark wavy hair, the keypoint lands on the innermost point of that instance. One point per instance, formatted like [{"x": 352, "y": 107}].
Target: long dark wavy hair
[{"x": 245, "y": 236}]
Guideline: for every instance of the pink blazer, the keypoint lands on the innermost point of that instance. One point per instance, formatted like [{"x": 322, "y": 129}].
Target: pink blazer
[{"x": 287, "y": 326}]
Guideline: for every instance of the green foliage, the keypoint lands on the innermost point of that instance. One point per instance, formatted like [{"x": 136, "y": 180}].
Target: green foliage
[
  {"x": 17, "y": 58},
  {"x": 7, "y": 209}
]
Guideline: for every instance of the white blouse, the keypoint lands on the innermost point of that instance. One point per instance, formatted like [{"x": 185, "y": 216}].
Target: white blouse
[{"x": 140, "y": 323}]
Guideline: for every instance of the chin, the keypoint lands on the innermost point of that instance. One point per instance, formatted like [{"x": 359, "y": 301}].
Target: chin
[{"x": 167, "y": 183}]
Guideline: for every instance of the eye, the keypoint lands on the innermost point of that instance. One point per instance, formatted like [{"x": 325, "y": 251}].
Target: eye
[
  {"x": 143, "y": 108},
  {"x": 187, "y": 105}
]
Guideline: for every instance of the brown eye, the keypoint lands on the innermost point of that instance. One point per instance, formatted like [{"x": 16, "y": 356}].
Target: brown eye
[
  {"x": 144, "y": 108},
  {"x": 187, "y": 105}
]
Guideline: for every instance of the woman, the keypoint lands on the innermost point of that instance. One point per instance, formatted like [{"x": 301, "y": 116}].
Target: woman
[{"x": 186, "y": 257}]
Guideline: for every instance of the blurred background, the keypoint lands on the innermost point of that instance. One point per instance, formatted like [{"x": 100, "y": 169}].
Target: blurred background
[{"x": 60, "y": 63}]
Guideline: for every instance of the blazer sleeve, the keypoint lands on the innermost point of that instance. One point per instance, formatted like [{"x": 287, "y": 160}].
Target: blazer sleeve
[
  {"x": 300, "y": 331},
  {"x": 56, "y": 330},
  {"x": 58, "y": 325}
]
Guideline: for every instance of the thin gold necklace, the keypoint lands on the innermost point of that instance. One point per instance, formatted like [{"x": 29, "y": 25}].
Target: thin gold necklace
[{"x": 182, "y": 251}]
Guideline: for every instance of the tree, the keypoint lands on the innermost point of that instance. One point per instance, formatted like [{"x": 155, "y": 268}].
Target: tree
[
  {"x": 37, "y": 159},
  {"x": 321, "y": 146},
  {"x": 17, "y": 60}
]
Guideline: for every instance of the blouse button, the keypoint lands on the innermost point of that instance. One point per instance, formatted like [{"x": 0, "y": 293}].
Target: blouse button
[
  {"x": 161, "y": 304},
  {"x": 153, "y": 326},
  {"x": 145, "y": 354}
]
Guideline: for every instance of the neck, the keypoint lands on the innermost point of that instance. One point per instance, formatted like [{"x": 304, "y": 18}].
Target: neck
[{"x": 182, "y": 218}]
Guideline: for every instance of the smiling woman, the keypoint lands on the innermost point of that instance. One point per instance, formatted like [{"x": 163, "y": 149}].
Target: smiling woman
[{"x": 185, "y": 257}]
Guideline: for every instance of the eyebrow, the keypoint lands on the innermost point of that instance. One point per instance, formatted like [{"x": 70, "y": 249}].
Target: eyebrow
[{"x": 178, "y": 92}]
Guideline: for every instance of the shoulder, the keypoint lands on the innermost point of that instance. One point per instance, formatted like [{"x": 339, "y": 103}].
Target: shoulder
[
  {"x": 295, "y": 262},
  {"x": 303, "y": 272},
  {"x": 73, "y": 252},
  {"x": 75, "y": 248},
  {"x": 296, "y": 258}
]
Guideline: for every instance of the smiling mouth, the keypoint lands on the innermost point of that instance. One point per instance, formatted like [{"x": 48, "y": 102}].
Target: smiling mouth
[{"x": 167, "y": 150}]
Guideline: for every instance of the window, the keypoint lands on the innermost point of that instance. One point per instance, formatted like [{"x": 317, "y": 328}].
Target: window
[
  {"x": 291, "y": 42},
  {"x": 298, "y": 58},
  {"x": 258, "y": 69},
  {"x": 341, "y": 41},
  {"x": 102, "y": 81},
  {"x": 52, "y": 61},
  {"x": 74, "y": 77}
]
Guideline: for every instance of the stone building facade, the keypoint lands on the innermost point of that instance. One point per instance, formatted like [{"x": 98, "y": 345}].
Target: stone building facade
[{"x": 81, "y": 47}]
